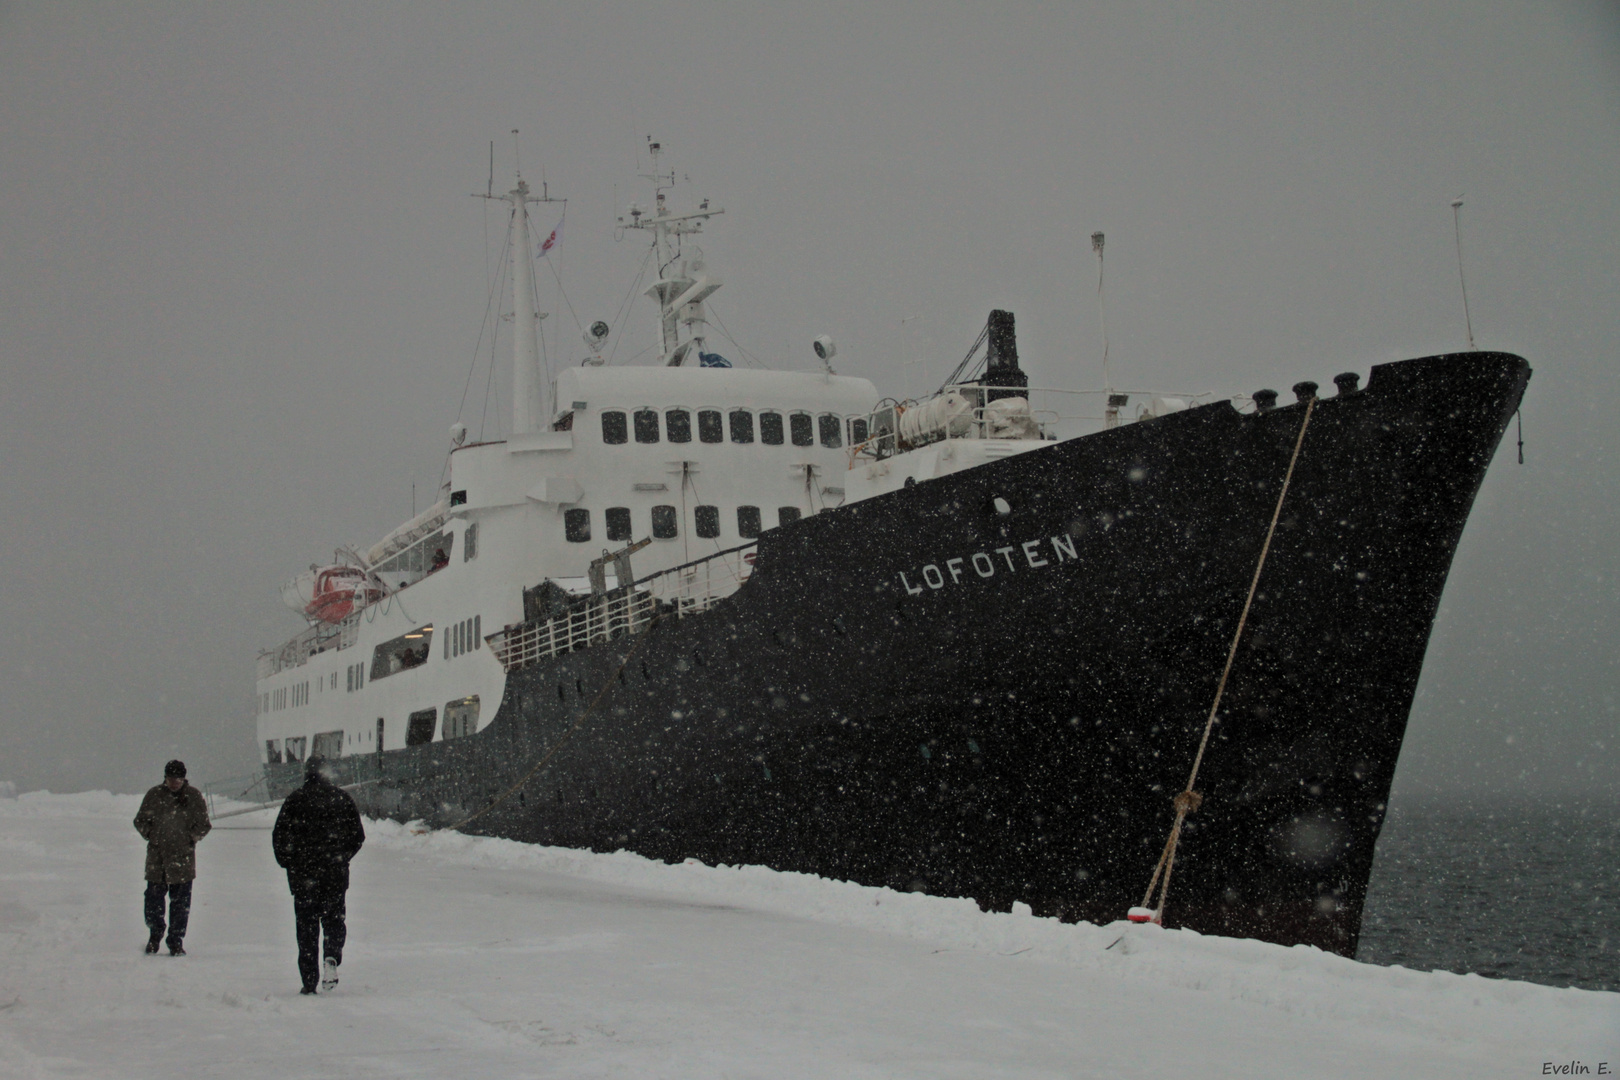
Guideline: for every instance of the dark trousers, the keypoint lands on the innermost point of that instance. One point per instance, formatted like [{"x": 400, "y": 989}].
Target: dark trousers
[
  {"x": 179, "y": 897},
  {"x": 315, "y": 912}
]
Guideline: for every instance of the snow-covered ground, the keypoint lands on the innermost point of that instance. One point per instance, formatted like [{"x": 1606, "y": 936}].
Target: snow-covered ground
[{"x": 484, "y": 958}]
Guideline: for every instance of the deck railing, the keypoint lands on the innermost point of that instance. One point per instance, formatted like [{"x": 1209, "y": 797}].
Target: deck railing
[
  {"x": 312, "y": 641},
  {"x": 676, "y": 593}
]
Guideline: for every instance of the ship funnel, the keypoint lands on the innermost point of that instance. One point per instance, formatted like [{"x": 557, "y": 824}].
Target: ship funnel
[{"x": 1002, "y": 372}]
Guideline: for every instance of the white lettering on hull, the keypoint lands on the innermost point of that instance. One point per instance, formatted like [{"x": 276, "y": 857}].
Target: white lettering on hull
[{"x": 984, "y": 566}]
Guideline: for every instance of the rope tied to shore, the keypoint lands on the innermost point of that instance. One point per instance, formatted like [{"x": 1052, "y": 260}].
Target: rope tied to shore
[{"x": 1188, "y": 800}]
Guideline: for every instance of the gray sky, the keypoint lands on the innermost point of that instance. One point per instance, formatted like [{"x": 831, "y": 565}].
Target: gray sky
[{"x": 241, "y": 285}]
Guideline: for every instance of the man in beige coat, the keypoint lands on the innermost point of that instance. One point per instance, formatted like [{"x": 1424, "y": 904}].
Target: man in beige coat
[{"x": 172, "y": 818}]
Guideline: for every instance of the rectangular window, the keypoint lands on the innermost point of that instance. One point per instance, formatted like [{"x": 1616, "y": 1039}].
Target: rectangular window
[
  {"x": 857, "y": 431},
  {"x": 709, "y": 426},
  {"x": 402, "y": 653},
  {"x": 800, "y": 427},
  {"x": 618, "y": 522},
  {"x": 707, "y": 519},
  {"x": 786, "y": 514},
  {"x": 458, "y": 498},
  {"x": 614, "y": 428},
  {"x": 577, "y": 525},
  {"x": 272, "y": 751},
  {"x": 832, "y": 431},
  {"x": 424, "y": 556},
  {"x": 646, "y": 425},
  {"x": 460, "y": 629},
  {"x": 663, "y": 518},
  {"x": 447, "y": 646},
  {"x": 419, "y": 726},
  {"x": 295, "y": 749},
  {"x": 742, "y": 426},
  {"x": 678, "y": 425},
  {"x": 469, "y": 542},
  {"x": 329, "y": 744},
  {"x": 770, "y": 428},
  {"x": 747, "y": 522},
  {"x": 478, "y": 622},
  {"x": 460, "y": 717},
  {"x": 348, "y": 679}
]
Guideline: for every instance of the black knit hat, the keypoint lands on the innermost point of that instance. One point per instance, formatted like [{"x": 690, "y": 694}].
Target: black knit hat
[
  {"x": 175, "y": 768},
  {"x": 315, "y": 765}
]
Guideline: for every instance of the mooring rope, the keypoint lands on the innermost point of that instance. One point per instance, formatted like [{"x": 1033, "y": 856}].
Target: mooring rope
[{"x": 1188, "y": 800}]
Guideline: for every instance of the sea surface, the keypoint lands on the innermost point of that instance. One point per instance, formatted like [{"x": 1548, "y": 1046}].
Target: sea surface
[{"x": 1506, "y": 889}]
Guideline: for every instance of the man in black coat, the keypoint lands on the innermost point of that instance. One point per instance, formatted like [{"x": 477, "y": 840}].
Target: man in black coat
[{"x": 317, "y": 832}]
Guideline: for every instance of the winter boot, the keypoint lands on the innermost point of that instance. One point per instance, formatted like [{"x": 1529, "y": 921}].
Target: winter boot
[
  {"x": 152, "y": 946},
  {"x": 175, "y": 949},
  {"x": 329, "y": 977}
]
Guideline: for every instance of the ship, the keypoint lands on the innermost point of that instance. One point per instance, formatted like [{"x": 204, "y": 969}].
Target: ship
[{"x": 753, "y": 617}]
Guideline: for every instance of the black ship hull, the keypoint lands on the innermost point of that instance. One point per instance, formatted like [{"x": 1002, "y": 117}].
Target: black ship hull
[{"x": 924, "y": 692}]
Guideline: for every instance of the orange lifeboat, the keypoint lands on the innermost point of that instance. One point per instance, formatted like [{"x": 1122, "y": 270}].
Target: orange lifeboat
[{"x": 330, "y": 594}]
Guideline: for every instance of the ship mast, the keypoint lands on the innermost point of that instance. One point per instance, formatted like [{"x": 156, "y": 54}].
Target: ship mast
[
  {"x": 528, "y": 403},
  {"x": 683, "y": 283}
]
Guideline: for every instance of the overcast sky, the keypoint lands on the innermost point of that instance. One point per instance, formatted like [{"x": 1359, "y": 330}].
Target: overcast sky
[{"x": 241, "y": 285}]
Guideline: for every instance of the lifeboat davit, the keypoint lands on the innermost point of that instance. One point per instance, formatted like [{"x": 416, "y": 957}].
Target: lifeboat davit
[{"x": 330, "y": 594}]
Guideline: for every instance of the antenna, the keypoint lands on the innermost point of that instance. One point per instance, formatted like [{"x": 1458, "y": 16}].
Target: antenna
[
  {"x": 1456, "y": 224},
  {"x": 1114, "y": 401},
  {"x": 517, "y": 156},
  {"x": 1102, "y": 312},
  {"x": 489, "y": 192}
]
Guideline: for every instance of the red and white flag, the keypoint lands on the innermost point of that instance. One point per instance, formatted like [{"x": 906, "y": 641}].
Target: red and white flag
[{"x": 551, "y": 241}]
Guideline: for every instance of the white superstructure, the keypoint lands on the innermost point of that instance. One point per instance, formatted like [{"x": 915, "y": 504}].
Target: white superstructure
[{"x": 694, "y": 459}]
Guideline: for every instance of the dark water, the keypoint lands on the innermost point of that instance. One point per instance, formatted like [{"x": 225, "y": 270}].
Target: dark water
[{"x": 1511, "y": 890}]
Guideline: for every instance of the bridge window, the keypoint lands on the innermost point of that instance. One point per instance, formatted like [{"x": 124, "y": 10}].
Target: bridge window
[
  {"x": 785, "y": 514},
  {"x": 329, "y": 745},
  {"x": 747, "y": 522},
  {"x": 469, "y": 542},
  {"x": 799, "y": 426},
  {"x": 614, "y": 429},
  {"x": 678, "y": 425},
  {"x": 857, "y": 431},
  {"x": 707, "y": 519},
  {"x": 709, "y": 426},
  {"x": 663, "y": 521},
  {"x": 419, "y": 726},
  {"x": 646, "y": 425},
  {"x": 272, "y": 751},
  {"x": 832, "y": 431},
  {"x": 742, "y": 426},
  {"x": 618, "y": 522},
  {"x": 770, "y": 428},
  {"x": 295, "y": 749},
  {"x": 577, "y": 525}
]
